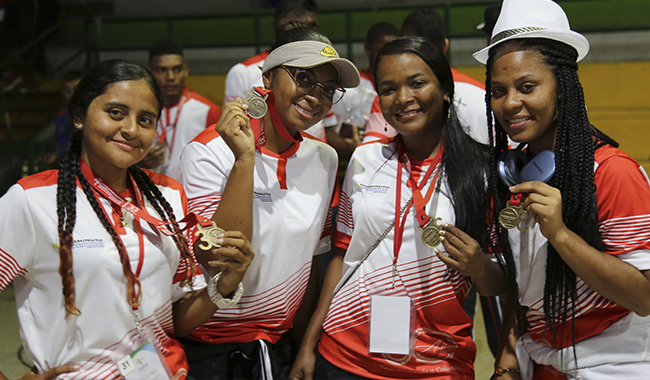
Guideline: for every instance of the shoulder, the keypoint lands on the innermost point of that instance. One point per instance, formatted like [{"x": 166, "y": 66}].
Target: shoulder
[
  {"x": 205, "y": 137},
  {"x": 42, "y": 179},
  {"x": 200, "y": 98},
  {"x": 162, "y": 180},
  {"x": 464, "y": 78},
  {"x": 256, "y": 59}
]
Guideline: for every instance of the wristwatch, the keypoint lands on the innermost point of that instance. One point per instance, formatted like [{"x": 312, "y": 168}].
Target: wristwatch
[{"x": 218, "y": 299}]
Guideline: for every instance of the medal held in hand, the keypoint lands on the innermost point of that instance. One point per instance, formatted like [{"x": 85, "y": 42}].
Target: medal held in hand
[
  {"x": 513, "y": 215},
  {"x": 209, "y": 234},
  {"x": 431, "y": 232},
  {"x": 257, "y": 107}
]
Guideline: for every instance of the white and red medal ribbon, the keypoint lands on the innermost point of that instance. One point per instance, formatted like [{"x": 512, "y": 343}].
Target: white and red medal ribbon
[
  {"x": 162, "y": 136},
  {"x": 418, "y": 201}
]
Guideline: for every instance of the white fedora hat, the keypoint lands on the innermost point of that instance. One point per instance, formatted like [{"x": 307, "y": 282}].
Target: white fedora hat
[{"x": 533, "y": 19}]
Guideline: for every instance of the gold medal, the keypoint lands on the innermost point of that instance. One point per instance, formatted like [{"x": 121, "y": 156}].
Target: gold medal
[
  {"x": 431, "y": 232},
  {"x": 209, "y": 236},
  {"x": 512, "y": 216},
  {"x": 257, "y": 107}
]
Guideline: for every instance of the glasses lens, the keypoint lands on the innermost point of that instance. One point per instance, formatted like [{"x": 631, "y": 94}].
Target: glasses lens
[{"x": 338, "y": 95}]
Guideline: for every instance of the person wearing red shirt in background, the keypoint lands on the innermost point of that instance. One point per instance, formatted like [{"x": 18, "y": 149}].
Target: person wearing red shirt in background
[{"x": 185, "y": 113}]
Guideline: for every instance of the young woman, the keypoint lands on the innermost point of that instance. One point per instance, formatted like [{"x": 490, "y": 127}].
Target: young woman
[
  {"x": 102, "y": 272},
  {"x": 394, "y": 289},
  {"x": 580, "y": 257},
  {"x": 262, "y": 176}
]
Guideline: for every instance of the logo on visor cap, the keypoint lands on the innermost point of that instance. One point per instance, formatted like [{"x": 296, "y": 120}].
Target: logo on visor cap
[{"x": 328, "y": 52}]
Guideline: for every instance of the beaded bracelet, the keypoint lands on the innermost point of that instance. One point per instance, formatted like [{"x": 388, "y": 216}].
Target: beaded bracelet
[{"x": 498, "y": 371}]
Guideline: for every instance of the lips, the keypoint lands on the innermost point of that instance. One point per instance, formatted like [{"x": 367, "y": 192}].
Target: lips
[
  {"x": 124, "y": 145},
  {"x": 519, "y": 122},
  {"x": 305, "y": 112},
  {"x": 407, "y": 115}
]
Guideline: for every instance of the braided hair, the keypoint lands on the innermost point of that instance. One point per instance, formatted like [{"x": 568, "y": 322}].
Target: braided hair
[
  {"x": 94, "y": 84},
  {"x": 576, "y": 141}
]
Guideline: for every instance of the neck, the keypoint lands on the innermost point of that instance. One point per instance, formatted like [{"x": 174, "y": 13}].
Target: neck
[
  {"x": 173, "y": 100},
  {"x": 115, "y": 177},
  {"x": 274, "y": 142},
  {"x": 423, "y": 147},
  {"x": 544, "y": 142}
]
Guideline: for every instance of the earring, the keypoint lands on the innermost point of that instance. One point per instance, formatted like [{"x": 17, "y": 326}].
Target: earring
[
  {"x": 385, "y": 126},
  {"x": 79, "y": 126}
]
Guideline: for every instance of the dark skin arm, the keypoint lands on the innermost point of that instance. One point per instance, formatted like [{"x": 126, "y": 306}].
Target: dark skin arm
[
  {"x": 47, "y": 375},
  {"x": 232, "y": 260}
]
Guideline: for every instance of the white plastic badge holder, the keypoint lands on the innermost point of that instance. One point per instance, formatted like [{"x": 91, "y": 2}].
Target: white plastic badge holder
[
  {"x": 144, "y": 363},
  {"x": 392, "y": 323}
]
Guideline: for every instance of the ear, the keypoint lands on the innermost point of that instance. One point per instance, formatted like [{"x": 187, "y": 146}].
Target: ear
[
  {"x": 444, "y": 51},
  {"x": 267, "y": 78}
]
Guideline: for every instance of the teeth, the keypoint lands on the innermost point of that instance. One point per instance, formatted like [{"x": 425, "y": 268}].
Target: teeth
[
  {"x": 407, "y": 113},
  {"x": 304, "y": 110},
  {"x": 515, "y": 121}
]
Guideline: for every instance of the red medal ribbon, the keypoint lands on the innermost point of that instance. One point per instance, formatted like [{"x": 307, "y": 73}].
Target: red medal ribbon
[
  {"x": 106, "y": 191},
  {"x": 515, "y": 199},
  {"x": 258, "y": 124},
  {"x": 163, "y": 135},
  {"x": 419, "y": 201}
]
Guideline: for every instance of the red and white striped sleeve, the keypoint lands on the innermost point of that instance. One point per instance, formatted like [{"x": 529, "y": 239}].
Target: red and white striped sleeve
[{"x": 17, "y": 238}]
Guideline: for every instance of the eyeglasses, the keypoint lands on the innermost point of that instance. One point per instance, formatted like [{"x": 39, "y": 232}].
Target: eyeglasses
[{"x": 306, "y": 82}]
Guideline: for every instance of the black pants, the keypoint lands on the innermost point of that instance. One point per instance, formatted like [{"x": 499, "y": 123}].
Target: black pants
[
  {"x": 325, "y": 370},
  {"x": 238, "y": 361}
]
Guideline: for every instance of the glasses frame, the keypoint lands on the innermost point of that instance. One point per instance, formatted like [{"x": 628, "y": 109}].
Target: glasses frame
[{"x": 308, "y": 90}]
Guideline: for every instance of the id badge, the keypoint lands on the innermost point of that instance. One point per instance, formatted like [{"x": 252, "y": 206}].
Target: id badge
[
  {"x": 145, "y": 362},
  {"x": 392, "y": 325}
]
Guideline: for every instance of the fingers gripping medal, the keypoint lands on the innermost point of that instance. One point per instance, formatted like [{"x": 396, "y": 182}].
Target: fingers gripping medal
[
  {"x": 257, "y": 107},
  {"x": 513, "y": 215},
  {"x": 209, "y": 233}
]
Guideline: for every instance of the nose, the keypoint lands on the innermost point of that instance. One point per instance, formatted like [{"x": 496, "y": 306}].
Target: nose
[
  {"x": 170, "y": 75},
  {"x": 512, "y": 101},
  {"x": 316, "y": 94},
  {"x": 404, "y": 95},
  {"x": 129, "y": 127}
]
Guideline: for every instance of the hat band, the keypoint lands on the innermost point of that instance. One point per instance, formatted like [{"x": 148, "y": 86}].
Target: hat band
[{"x": 513, "y": 32}]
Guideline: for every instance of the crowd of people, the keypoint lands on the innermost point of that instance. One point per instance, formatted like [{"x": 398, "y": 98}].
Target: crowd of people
[{"x": 182, "y": 240}]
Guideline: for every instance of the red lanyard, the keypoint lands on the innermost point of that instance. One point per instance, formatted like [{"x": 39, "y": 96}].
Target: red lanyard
[
  {"x": 419, "y": 202},
  {"x": 163, "y": 134},
  {"x": 258, "y": 126}
]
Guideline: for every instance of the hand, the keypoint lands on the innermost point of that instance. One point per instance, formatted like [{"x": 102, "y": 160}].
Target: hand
[
  {"x": 232, "y": 259},
  {"x": 51, "y": 374},
  {"x": 155, "y": 157},
  {"x": 544, "y": 204},
  {"x": 303, "y": 366},
  {"x": 465, "y": 254},
  {"x": 233, "y": 126}
]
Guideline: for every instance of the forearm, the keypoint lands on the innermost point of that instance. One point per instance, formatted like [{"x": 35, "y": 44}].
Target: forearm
[
  {"x": 235, "y": 211},
  {"x": 332, "y": 278},
  {"x": 609, "y": 276},
  {"x": 191, "y": 311},
  {"x": 493, "y": 281}
]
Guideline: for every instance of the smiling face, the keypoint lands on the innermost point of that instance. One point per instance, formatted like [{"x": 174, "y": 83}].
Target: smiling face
[
  {"x": 170, "y": 71},
  {"x": 119, "y": 127},
  {"x": 300, "y": 111},
  {"x": 410, "y": 95},
  {"x": 524, "y": 96}
]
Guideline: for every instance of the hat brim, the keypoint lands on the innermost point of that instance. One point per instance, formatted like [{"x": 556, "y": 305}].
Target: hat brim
[
  {"x": 571, "y": 38},
  {"x": 348, "y": 73}
]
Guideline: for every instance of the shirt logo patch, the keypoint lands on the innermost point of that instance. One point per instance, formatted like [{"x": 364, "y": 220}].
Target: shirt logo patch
[
  {"x": 328, "y": 52},
  {"x": 380, "y": 189},
  {"x": 264, "y": 197}
]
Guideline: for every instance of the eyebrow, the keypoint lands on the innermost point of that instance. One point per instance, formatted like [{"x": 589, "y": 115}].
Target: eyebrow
[{"x": 410, "y": 77}]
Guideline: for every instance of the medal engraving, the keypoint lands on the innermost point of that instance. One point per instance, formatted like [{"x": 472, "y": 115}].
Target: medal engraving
[
  {"x": 431, "y": 232},
  {"x": 257, "y": 107},
  {"x": 512, "y": 216},
  {"x": 209, "y": 236}
]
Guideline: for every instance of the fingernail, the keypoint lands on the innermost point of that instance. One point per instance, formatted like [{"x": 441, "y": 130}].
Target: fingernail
[
  {"x": 436, "y": 250},
  {"x": 220, "y": 241},
  {"x": 76, "y": 367},
  {"x": 442, "y": 232},
  {"x": 512, "y": 188},
  {"x": 222, "y": 235},
  {"x": 444, "y": 225},
  {"x": 213, "y": 263},
  {"x": 442, "y": 238}
]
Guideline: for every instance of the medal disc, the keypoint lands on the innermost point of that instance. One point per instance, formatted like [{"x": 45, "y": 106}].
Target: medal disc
[
  {"x": 431, "y": 233},
  {"x": 509, "y": 217},
  {"x": 257, "y": 107},
  {"x": 209, "y": 236}
]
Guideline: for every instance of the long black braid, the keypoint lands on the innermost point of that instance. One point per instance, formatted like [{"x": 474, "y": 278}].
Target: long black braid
[{"x": 575, "y": 145}]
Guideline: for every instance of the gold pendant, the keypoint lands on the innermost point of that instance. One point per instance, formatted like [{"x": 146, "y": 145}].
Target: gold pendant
[
  {"x": 431, "y": 232},
  {"x": 512, "y": 216},
  {"x": 257, "y": 107},
  {"x": 209, "y": 236}
]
